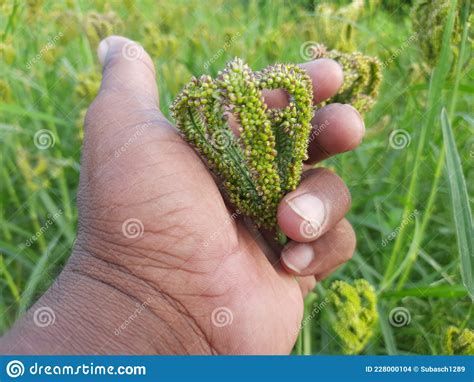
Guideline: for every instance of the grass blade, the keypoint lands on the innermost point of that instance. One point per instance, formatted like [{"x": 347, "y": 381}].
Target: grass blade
[
  {"x": 387, "y": 332},
  {"x": 441, "y": 291},
  {"x": 460, "y": 203},
  {"x": 21, "y": 111},
  {"x": 38, "y": 274},
  {"x": 435, "y": 94},
  {"x": 9, "y": 280}
]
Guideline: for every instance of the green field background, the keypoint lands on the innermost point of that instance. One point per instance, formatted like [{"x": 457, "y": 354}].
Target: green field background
[{"x": 403, "y": 214}]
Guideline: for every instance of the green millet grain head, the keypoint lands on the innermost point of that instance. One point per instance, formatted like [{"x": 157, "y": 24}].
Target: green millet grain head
[
  {"x": 264, "y": 161},
  {"x": 88, "y": 85},
  {"x": 428, "y": 18},
  {"x": 355, "y": 313},
  {"x": 98, "y": 26},
  {"x": 362, "y": 77}
]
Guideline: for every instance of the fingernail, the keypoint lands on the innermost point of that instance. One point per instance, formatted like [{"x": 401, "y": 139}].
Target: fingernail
[
  {"x": 313, "y": 212},
  {"x": 102, "y": 50},
  {"x": 358, "y": 115},
  {"x": 298, "y": 257}
]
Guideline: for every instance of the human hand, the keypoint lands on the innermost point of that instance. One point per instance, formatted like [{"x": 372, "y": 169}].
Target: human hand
[{"x": 155, "y": 235}]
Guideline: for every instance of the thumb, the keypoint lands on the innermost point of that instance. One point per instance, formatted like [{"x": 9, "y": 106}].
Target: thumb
[
  {"x": 127, "y": 68},
  {"x": 127, "y": 103}
]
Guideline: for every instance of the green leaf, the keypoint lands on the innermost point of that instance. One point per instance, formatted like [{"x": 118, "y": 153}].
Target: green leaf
[
  {"x": 460, "y": 203},
  {"x": 425, "y": 291}
]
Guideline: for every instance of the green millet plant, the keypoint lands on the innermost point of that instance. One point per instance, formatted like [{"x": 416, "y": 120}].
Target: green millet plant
[
  {"x": 263, "y": 162},
  {"x": 459, "y": 342},
  {"x": 362, "y": 77},
  {"x": 353, "y": 313},
  {"x": 97, "y": 26},
  {"x": 428, "y": 18},
  {"x": 87, "y": 85},
  {"x": 335, "y": 23}
]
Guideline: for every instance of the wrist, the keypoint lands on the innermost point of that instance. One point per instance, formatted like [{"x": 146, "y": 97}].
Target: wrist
[{"x": 95, "y": 307}]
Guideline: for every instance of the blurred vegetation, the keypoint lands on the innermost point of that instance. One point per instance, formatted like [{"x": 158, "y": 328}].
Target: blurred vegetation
[{"x": 402, "y": 211}]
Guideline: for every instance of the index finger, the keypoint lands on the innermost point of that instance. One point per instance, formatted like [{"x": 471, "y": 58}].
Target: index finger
[{"x": 326, "y": 76}]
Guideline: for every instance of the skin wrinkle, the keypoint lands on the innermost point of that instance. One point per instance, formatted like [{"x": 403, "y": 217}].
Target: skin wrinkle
[
  {"x": 118, "y": 206},
  {"x": 158, "y": 141},
  {"x": 191, "y": 258},
  {"x": 113, "y": 266},
  {"x": 171, "y": 255},
  {"x": 188, "y": 314},
  {"x": 181, "y": 308},
  {"x": 156, "y": 123},
  {"x": 85, "y": 335},
  {"x": 322, "y": 149},
  {"x": 144, "y": 98},
  {"x": 132, "y": 298},
  {"x": 118, "y": 127},
  {"x": 67, "y": 311},
  {"x": 90, "y": 250},
  {"x": 108, "y": 252},
  {"x": 161, "y": 196},
  {"x": 179, "y": 225},
  {"x": 172, "y": 302},
  {"x": 184, "y": 172}
]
